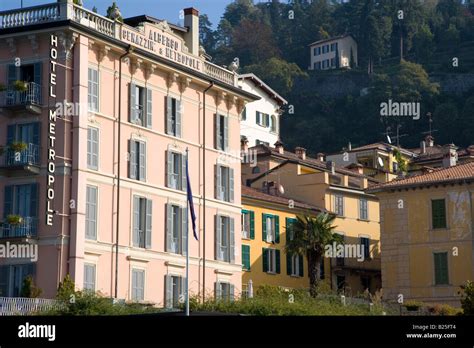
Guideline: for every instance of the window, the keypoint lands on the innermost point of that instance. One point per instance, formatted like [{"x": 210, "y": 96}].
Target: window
[
  {"x": 175, "y": 289},
  {"x": 365, "y": 242},
  {"x": 93, "y": 90},
  {"x": 224, "y": 291},
  {"x": 340, "y": 260},
  {"x": 175, "y": 229},
  {"x": 12, "y": 277},
  {"x": 340, "y": 282},
  {"x": 225, "y": 239},
  {"x": 248, "y": 224},
  {"x": 92, "y": 148},
  {"x": 176, "y": 171},
  {"x": 339, "y": 205},
  {"x": 138, "y": 285},
  {"x": 224, "y": 183},
  {"x": 246, "y": 257},
  {"x": 262, "y": 119},
  {"x": 137, "y": 160},
  {"x": 30, "y": 73},
  {"x": 140, "y": 105},
  {"x": 89, "y": 277},
  {"x": 333, "y": 62},
  {"x": 317, "y": 65},
  {"x": 294, "y": 265},
  {"x": 333, "y": 47},
  {"x": 438, "y": 213},
  {"x": 173, "y": 117},
  {"x": 441, "y": 268},
  {"x": 271, "y": 260},
  {"x": 317, "y": 51},
  {"x": 363, "y": 210},
  {"x": 288, "y": 228},
  {"x": 259, "y": 142},
  {"x": 28, "y": 133},
  {"x": 21, "y": 200},
  {"x": 142, "y": 218},
  {"x": 91, "y": 212},
  {"x": 273, "y": 124},
  {"x": 365, "y": 281},
  {"x": 244, "y": 114},
  {"x": 221, "y": 127},
  {"x": 271, "y": 228}
]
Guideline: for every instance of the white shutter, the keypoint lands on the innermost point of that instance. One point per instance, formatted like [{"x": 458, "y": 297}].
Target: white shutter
[
  {"x": 217, "y": 221},
  {"x": 184, "y": 232}
]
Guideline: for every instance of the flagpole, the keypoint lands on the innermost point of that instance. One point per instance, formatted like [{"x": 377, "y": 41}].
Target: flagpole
[{"x": 187, "y": 243}]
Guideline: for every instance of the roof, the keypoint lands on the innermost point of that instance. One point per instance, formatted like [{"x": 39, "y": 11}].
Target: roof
[
  {"x": 334, "y": 38},
  {"x": 461, "y": 172},
  {"x": 134, "y": 21},
  {"x": 249, "y": 192},
  {"x": 435, "y": 152},
  {"x": 383, "y": 147},
  {"x": 264, "y": 87},
  {"x": 311, "y": 162}
]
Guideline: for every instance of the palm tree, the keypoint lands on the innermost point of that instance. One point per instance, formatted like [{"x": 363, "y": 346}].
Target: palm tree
[{"x": 309, "y": 236}]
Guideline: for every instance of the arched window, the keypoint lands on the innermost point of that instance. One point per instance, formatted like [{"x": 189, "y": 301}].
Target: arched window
[
  {"x": 255, "y": 170},
  {"x": 273, "y": 124}
]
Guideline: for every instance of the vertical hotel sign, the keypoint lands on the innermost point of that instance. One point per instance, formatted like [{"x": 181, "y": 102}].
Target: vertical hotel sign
[{"x": 51, "y": 132}]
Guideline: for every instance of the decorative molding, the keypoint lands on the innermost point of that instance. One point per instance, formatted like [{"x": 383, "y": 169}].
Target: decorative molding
[
  {"x": 184, "y": 83},
  {"x": 175, "y": 264},
  {"x": 149, "y": 69},
  {"x": 34, "y": 43},
  {"x": 135, "y": 64},
  {"x": 240, "y": 103},
  {"x": 171, "y": 78},
  {"x": 136, "y": 258},
  {"x": 12, "y": 45},
  {"x": 219, "y": 271},
  {"x": 229, "y": 101},
  {"x": 102, "y": 52},
  {"x": 67, "y": 41},
  {"x": 163, "y": 25}
]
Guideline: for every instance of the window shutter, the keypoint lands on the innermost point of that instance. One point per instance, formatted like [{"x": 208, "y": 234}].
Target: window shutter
[
  {"x": 252, "y": 225},
  {"x": 142, "y": 161},
  {"x": 34, "y": 200},
  {"x": 178, "y": 119},
  {"x": 168, "y": 292},
  {"x": 232, "y": 240},
  {"x": 288, "y": 264},
  {"x": 226, "y": 133},
  {"x": 246, "y": 257},
  {"x": 169, "y": 111},
  {"x": 218, "y": 237},
  {"x": 288, "y": 229},
  {"x": 12, "y": 74},
  {"x": 217, "y": 290},
  {"x": 37, "y": 77},
  {"x": 169, "y": 167},
  {"x": 133, "y": 102},
  {"x": 149, "y": 107},
  {"x": 231, "y": 292},
  {"x": 184, "y": 185},
  {"x": 95, "y": 148},
  {"x": 300, "y": 261},
  {"x": 264, "y": 227},
  {"x": 184, "y": 231},
  {"x": 277, "y": 261},
  {"x": 257, "y": 117},
  {"x": 217, "y": 132},
  {"x": 217, "y": 183},
  {"x": 134, "y": 285},
  {"x": 149, "y": 219},
  {"x": 169, "y": 227},
  {"x": 277, "y": 229},
  {"x": 8, "y": 201},
  {"x": 231, "y": 185},
  {"x": 36, "y": 133},
  {"x": 265, "y": 259},
  {"x": 132, "y": 160},
  {"x": 136, "y": 220},
  {"x": 11, "y": 130}
]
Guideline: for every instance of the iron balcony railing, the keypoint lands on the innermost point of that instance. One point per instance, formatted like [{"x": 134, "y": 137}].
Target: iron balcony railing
[
  {"x": 26, "y": 228},
  {"x": 30, "y": 96},
  {"x": 29, "y": 156}
]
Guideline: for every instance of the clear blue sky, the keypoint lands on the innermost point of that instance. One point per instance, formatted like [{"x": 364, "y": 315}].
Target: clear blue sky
[{"x": 162, "y": 9}]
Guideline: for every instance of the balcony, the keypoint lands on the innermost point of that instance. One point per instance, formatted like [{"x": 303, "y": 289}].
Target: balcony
[
  {"x": 26, "y": 99},
  {"x": 21, "y": 162},
  {"x": 54, "y": 12},
  {"x": 27, "y": 227}
]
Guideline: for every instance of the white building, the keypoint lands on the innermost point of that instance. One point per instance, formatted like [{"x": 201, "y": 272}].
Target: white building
[
  {"x": 260, "y": 122},
  {"x": 333, "y": 53}
]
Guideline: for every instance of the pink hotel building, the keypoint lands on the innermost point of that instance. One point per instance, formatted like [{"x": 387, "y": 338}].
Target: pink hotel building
[{"x": 95, "y": 119}]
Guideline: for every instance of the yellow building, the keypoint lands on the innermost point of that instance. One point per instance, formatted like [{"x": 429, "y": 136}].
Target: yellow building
[
  {"x": 265, "y": 218},
  {"x": 334, "y": 189},
  {"x": 427, "y": 234}
]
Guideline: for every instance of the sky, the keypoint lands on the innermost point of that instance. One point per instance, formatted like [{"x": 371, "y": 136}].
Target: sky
[{"x": 161, "y": 9}]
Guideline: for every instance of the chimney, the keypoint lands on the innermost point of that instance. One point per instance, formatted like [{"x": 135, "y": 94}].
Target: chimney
[
  {"x": 320, "y": 156},
  {"x": 450, "y": 155},
  {"x": 422, "y": 147},
  {"x": 470, "y": 150},
  {"x": 429, "y": 140},
  {"x": 270, "y": 187},
  {"x": 244, "y": 144},
  {"x": 349, "y": 146},
  {"x": 191, "y": 21},
  {"x": 356, "y": 168},
  {"x": 300, "y": 152},
  {"x": 279, "y": 147},
  {"x": 332, "y": 166}
]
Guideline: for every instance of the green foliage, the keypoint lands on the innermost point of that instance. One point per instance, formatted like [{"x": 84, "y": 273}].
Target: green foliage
[
  {"x": 66, "y": 289},
  {"x": 113, "y": 12},
  {"x": 18, "y": 146},
  {"x": 467, "y": 300},
  {"x": 13, "y": 219},
  {"x": 444, "y": 309},
  {"x": 20, "y": 86},
  {"x": 2, "y": 87},
  {"x": 29, "y": 288},
  {"x": 413, "y": 305},
  {"x": 402, "y": 164}
]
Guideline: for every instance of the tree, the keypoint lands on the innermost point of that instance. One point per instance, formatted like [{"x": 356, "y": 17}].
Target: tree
[
  {"x": 424, "y": 44},
  {"x": 29, "y": 288},
  {"x": 411, "y": 82},
  {"x": 66, "y": 289},
  {"x": 467, "y": 300},
  {"x": 309, "y": 236},
  {"x": 207, "y": 36},
  {"x": 113, "y": 12}
]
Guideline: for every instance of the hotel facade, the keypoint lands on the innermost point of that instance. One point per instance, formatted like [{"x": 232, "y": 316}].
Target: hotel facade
[{"x": 96, "y": 117}]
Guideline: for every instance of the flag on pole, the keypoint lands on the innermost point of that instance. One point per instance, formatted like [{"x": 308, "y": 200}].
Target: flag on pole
[{"x": 190, "y": 200}]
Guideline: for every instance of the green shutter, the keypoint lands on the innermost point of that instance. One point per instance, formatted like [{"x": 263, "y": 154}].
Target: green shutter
[
  {"x": 252, "y": 225},
  {"x": 300, "y": 258},
  {"x": 265, "y": 259},
  {"x": 277, "y": 229},
  {"x": 438, "y": 213},
  {"x": 246, "y": 257},
  {"x": 288, "y": 264},
  {"x": 441, "y": 268},
  {"x": 264, "y": 227},
  {"x": 277, "y": 261}
]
